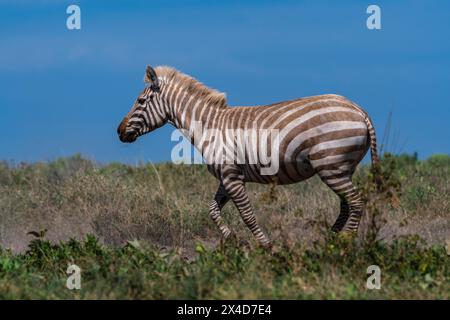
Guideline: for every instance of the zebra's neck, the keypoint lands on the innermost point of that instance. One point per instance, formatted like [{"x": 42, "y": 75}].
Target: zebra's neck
[{"x": 191, "y": 107}]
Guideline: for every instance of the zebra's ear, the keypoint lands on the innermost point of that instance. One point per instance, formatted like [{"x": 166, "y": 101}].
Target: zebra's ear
[{"x": 152, "y": 78}]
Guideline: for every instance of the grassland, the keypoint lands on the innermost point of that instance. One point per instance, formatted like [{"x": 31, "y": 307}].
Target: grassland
[{"x": 144, "y": 232}]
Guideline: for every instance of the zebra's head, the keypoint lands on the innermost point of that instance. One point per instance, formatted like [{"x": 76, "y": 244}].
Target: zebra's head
[{"x": 147, "y": 112}]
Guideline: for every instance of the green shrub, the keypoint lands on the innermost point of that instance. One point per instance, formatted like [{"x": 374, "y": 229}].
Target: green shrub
[{"x": 335, "y": 269}]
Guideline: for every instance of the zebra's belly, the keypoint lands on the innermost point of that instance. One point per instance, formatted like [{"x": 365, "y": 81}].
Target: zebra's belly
[{"x": 285, "y": 173}]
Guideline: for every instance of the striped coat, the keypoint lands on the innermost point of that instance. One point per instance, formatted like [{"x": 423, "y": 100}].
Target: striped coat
[{"x": 327, "y": 135}]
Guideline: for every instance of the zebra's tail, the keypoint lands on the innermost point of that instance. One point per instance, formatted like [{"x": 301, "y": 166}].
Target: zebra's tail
[{"x": 376, "y": 167}]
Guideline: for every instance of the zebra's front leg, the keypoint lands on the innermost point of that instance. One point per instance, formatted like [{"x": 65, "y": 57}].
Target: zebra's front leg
[
  {"x": 220, "y": 199},
  {"x": 236, "y": 190}
]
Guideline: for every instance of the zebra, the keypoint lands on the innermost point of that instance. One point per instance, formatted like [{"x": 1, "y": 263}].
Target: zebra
[{"x": 327, "y": 135}]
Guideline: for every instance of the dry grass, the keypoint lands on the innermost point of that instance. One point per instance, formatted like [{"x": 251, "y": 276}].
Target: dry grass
[
  {"x": 167, "y": 205},
  {"x": 178, "y": 253}
]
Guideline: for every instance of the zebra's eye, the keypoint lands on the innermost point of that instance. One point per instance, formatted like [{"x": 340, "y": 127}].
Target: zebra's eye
[{"x": 141, "y": 100}]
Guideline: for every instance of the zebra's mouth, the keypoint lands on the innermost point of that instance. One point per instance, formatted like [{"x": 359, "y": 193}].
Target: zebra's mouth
[{"x": 128, "y": 137}]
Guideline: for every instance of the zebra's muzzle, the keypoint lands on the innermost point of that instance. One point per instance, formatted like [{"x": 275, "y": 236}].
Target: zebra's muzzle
[
  {"x": 128, "y": 137},
  {"x": 125, "y": 136}
]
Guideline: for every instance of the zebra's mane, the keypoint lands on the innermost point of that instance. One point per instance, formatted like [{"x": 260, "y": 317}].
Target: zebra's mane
[{"x": 210, "y": 96}]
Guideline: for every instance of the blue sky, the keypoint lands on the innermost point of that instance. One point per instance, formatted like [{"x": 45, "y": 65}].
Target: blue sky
[{"x": 64, "y": 91}]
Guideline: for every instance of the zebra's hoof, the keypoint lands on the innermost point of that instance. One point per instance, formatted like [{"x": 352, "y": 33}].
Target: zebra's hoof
[
  {"x": 230, "y": 239},
  {"x": 347, "y": 235},
  {"x": 267, "y": 245},
  {"x": 336, "y": 229}
]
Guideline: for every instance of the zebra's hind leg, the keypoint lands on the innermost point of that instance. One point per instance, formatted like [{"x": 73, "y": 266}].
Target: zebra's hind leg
[
  {"x": 343, "y": 216},
  {"x": 220, "y": 199},
  {"x": 351, "y": 203}
]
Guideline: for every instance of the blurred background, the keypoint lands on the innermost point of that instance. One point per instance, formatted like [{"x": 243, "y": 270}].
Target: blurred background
[{"x": 64, "y": 91}]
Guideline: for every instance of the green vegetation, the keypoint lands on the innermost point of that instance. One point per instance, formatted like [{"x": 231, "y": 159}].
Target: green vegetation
[
  {"x": 144, "y": 233},
  {"x": 330, "y": 271}
]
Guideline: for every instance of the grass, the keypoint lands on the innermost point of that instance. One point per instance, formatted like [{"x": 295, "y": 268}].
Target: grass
[
  {"x": 144, "y": 233},
  {"x": 331, "y": 271}
]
